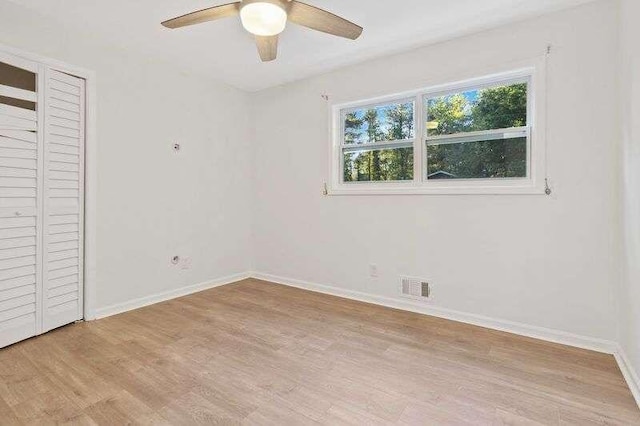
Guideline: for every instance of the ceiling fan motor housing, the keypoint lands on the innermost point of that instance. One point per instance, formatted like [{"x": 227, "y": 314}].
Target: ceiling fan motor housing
[
  {"x": 284, "y": 4},
  {"x": 264, "y": 18}
]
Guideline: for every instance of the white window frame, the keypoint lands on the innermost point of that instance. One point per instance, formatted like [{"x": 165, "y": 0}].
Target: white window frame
[{"x": 533, "y": 73}]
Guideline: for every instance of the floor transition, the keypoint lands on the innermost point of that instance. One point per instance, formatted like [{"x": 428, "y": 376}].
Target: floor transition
[{"x": 259, "y": 353}]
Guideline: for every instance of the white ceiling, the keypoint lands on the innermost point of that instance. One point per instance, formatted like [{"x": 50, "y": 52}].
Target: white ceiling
[{"x": 223, "y": 50}]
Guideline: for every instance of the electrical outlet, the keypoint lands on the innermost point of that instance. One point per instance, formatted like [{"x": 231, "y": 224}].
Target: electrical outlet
[{"x": 373, "y": 270}]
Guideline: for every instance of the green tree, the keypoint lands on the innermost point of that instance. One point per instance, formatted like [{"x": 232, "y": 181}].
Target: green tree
[
  {"x": 450, "y": 113},
  {"x": 399, "y": 162},
  {"x": 352, "y": 128},
  {"x": 500, "y": 108},
  {"x": 374, "y": 134},
  {"x": 352, "y": 132}
]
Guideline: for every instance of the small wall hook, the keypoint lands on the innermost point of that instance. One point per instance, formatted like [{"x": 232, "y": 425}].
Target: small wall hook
[{"x": 547, "y": 188}]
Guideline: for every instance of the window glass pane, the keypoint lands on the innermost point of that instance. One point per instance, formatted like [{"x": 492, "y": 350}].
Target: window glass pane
[
  {"x": 382, "y": 123},
  {"x": 382, "y": 165},
  {"x": 497, "y": 107},
  {"x": 502, "y": 158}
]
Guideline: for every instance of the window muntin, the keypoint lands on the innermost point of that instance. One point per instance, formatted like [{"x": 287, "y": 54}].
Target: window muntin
[{"x": 470, "y": 154}]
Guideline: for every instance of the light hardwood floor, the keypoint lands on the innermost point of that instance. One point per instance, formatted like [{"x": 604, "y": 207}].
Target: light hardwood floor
[{"x": 260, "y": 353}]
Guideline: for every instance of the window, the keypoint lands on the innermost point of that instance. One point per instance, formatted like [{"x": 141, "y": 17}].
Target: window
[
  {"x": 478, "y": 134},
  {"x": 377, "y": 142},
  {"x": 470, "y": 137}
]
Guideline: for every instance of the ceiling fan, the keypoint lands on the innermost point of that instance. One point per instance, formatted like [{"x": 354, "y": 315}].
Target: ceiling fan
[{"x": 266, "y": 19}]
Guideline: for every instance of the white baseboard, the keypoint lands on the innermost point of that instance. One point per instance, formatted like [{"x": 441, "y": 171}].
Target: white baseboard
[
  {"x": 629, "y": 373},
  {"x": 167, "y": 295},
  {"x": 535, "y": 332}
]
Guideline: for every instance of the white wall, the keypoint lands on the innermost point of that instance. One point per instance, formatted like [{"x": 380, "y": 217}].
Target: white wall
[
  {"x": 542, "y": 261},
  {"x": 630, "y": 91},
  {"x": 153, "y": 203}
]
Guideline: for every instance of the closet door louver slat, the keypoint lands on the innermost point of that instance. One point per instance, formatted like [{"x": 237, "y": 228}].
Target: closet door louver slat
[
  {"x": 20, "y": 230},
  {"x": 63, "y": 200}
]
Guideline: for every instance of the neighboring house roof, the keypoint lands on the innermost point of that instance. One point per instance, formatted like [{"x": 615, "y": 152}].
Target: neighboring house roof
[{"x": 441, "y": 174}]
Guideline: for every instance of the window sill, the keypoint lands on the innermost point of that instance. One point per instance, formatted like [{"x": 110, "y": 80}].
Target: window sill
[{"x": 360, "y": 190}]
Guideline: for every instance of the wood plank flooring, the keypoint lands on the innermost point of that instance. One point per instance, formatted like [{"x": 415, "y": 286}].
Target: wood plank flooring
[{"x": 260, "y": 353}]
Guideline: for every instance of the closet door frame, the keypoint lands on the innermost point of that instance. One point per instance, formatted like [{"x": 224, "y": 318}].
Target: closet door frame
[{"x": 90, "y": 166}]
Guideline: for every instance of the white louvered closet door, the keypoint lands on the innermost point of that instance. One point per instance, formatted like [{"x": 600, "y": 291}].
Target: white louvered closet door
[
  {"x": 42, "y": 120},
  {"x": 63, "y": 178},
  {"x": 20, "y": 227}
]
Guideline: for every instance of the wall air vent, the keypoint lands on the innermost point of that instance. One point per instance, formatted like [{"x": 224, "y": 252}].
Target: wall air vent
[{"x": 415, "y": 288}]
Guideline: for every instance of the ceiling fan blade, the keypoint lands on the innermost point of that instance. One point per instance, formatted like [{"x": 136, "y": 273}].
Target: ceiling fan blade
[
  {"x": 321, "y": 20},
  {"x": 267, "y": 47},
  {"x": 204, "y": 15}
]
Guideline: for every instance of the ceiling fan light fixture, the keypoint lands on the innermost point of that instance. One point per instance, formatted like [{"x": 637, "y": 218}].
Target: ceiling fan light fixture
[
  {"x": 266, "y": 19},
  {"x": 263, "y": 18}
]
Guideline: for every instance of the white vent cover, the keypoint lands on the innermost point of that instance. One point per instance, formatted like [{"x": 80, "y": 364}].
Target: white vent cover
[{"x": 415, "y": 288}]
